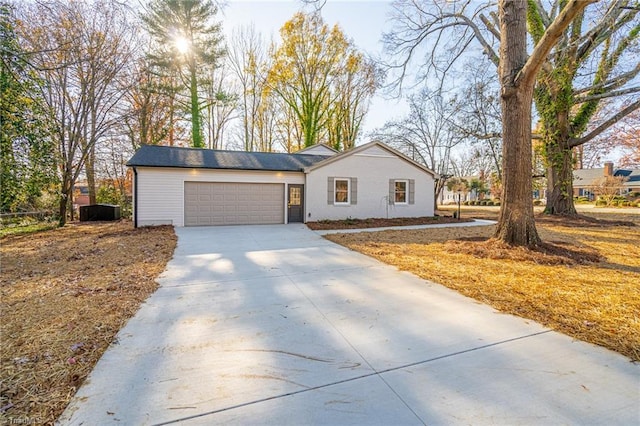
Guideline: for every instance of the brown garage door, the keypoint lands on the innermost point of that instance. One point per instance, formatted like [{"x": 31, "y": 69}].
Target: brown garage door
[{"x": 224, "y": 203}]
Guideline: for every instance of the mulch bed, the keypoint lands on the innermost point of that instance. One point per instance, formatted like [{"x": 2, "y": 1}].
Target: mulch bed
[
  {"x": 579, "y": 221},
  {"x": 382, "y": 222},
  {"x": 547, "y": 253}
]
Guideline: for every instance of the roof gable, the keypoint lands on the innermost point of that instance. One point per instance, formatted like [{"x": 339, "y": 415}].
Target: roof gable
[
  {"x": 318, "y": 149},
  {"x": 165, "y": 156},
  {"x": 371, "y": 149}
]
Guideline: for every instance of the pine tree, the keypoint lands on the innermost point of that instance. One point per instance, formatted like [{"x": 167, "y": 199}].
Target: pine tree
[{"x": 187, "y": 44}]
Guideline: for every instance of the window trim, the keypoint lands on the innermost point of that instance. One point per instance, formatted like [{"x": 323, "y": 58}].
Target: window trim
[
  {"x": 406, "y": 192},
  {"x": 335, "y": 191}
]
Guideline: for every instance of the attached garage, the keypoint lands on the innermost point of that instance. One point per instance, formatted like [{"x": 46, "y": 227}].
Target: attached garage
[
  {"x": 233, "y": 203},
  {"x": 204, "y": 187}
]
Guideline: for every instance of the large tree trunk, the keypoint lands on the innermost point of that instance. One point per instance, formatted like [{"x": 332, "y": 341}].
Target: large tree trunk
[
  {"x": 516, "y": 224},
  {"x": 65, "y": 194},
  {"x": 559, "y": 179},
  {"x": 558, "y": 153}
]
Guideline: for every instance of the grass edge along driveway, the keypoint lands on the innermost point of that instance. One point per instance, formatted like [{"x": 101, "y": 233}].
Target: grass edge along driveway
[{"x": 592, "y": 294}]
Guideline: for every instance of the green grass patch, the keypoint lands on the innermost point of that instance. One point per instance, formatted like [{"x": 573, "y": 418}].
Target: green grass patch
[{"x": 31, "y": 228}]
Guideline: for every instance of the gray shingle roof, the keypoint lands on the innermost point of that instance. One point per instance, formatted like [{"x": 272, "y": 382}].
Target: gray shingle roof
[
  {"x": 165, "y": 156},
  {"x": 586, "y": 177}
]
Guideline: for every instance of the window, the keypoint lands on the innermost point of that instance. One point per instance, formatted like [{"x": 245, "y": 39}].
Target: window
[
  {"x": 400, "y": 192},
  {"x": 341, "y": 191}
]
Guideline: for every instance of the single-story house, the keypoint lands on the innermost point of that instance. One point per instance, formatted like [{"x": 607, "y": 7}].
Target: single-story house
[
  {"x": 585, "y": 179},
  {"x": 190, "y": 187}
]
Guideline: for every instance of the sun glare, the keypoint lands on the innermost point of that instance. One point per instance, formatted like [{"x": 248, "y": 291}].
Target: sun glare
[{"x": 181, "y": 43}]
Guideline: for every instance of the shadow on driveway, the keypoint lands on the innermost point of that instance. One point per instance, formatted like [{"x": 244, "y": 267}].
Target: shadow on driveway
[{"x": 276, "y": 325}]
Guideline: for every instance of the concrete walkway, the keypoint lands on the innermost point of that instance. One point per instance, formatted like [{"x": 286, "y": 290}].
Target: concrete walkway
[{"x": 273, "y": 325}]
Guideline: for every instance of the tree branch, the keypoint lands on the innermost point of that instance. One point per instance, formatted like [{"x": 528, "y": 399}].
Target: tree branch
[
  {"x": 546, "y": 20},
  {"x": 607, "y": 26},
  {"x": 613, "y": 83},
  {"x": 528, "y": 73},
  {"x": 490, "y": 26},
  {"x": 604, "y": 126},
  {"x": 608, "y": 95}
]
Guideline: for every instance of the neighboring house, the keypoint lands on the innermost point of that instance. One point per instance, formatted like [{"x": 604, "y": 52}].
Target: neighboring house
[
  {"x": 80, "y": 195},
  {"x": 187, "y": 187},
  {"x": 451, "y": 197},
  {"x": 584, "y": 179}
]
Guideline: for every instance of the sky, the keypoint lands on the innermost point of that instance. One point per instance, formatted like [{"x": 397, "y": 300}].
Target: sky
[{"x": 364, "y": 21}]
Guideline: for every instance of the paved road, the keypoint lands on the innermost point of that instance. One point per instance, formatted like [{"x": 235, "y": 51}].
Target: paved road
[{"x": 274, "y": 325}]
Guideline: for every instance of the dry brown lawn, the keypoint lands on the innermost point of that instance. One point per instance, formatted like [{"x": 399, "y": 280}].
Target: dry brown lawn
[
  {"x": 65, "y": 294},
  {"x": 584, "y": 282}
]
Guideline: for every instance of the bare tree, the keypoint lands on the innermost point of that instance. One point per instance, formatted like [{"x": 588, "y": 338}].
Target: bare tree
[
  {"x": 221, "y": 105},
  {"x": 623, "y": 139},
  {"x": 479, "y": 118},
  {"x": 517, "y": 71},
  {"x": 473, "y": 160},
  {"x": 80, "y": 50},
  {"x": 427, "y": 134},
  {"x": 608, "y": 187},
  {"x": 249, "y": 61},
  {"x": 148, "y": 107}
]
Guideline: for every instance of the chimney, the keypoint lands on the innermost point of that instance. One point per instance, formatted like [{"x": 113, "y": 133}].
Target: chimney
[{"x": 608, "y": 168}]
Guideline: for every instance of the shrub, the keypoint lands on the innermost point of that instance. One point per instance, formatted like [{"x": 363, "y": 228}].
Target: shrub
[
  {"x": 496, "y": 203},
  {"x": 466, "y": 203},
  {"x": 490, "y": 203},
  {"x": 624, "y": 203},
  {"x": 537, "y": 202}
]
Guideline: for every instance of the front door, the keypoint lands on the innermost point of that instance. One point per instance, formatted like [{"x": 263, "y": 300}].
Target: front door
[{"x": 295, "y": 205}]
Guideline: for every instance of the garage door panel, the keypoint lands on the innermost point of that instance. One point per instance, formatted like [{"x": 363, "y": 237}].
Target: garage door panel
[{"x": 224, "y": 203}]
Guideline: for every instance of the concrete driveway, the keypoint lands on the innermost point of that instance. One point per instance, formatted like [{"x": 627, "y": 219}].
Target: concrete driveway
[{"x": 274, "y": 325}]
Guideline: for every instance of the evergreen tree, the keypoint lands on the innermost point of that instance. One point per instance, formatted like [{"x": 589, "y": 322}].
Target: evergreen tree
[
  {"x": 27, "y": 162},
  {"x": 188, "y": 45}
]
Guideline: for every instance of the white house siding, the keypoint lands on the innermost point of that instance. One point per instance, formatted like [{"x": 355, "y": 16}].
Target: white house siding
[
  {"x": 373, "y": 168},
  {"x": 160, "y": 191}
]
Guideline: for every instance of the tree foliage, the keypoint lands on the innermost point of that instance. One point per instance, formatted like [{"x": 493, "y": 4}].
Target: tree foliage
[
  {"x": 622, "y": 140},
  {"x": 323, "y": 80},
  {"x": 27, "y": 163},
  {"x": 594, "y": 60},
  {"x": 187, "y": 46}
]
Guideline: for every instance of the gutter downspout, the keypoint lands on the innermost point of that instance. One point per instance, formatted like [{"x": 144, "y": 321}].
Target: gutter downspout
[{"x": 135, "y": 197}]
